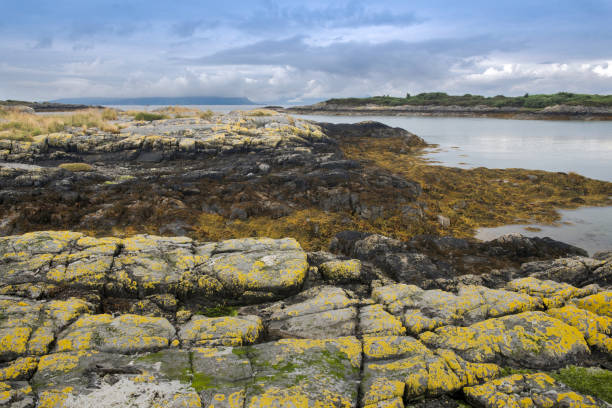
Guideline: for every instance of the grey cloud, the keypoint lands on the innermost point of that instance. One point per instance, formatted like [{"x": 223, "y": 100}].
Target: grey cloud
[{"x": 393, "y": 58}]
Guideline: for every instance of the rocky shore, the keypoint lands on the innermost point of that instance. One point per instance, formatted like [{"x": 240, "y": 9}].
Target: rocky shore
[
  {"x": 173, "y": 322},
  {"x": 125, "y": 279},
  {"x": 557, "y": 112}
]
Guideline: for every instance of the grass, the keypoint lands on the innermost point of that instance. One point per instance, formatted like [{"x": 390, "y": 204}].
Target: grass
[
  {"x": 537, "y": 101},
  {"x": 149, "y": 117},
  {"x": 76, "y": 167},
  {"x": 594, "y": 381},
  {"x": 262, "y": 112},
  {"x": 25, "y": 126}
]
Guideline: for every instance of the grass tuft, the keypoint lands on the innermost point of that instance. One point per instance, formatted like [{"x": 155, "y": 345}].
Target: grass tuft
[{"x": 76, "y": 167}]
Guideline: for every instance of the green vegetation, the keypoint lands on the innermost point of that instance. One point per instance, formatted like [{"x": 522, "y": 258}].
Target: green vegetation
[
  {"x": 586, "y": 380},
  {"x": 149, "y": 117},
  {"x": 76, "y": 167},
  {"x": 219, "y": 311},
  {"x": 538, "y": 101},
  {"x": 201, "y": 381},
  {"x": 593, "y": 381}
]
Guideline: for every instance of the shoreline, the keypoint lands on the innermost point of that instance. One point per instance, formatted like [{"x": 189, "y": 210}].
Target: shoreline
[{"x": 578, "y": 113}]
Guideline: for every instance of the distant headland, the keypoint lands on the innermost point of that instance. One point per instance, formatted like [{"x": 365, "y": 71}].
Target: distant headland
[{"x": 560, "y": 106}]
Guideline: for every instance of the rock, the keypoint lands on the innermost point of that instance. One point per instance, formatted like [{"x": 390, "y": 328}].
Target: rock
[
  {"x": 603, "y": 255},
  {"x": 305, "y": 373},
  {"x": 444, "y": 221},
  {"x": 221, "y": 331},
  {"x": 552, "y": 293},
  {"x": 415, "y": 371},
  {"x": 125, "y": 334},
  {"x": 375, "y": 321},
  {"x": 28, "y": 328},
  {"x": 370, "y": 129},
  {"x": 422, "y": 310},
  {"x": 527, "y": 390},
  {"x": 528, "y": 339},
  {"x": 320, "y": 312},
  {"x": 595, "y": 328},
  {"x": 341, "y": 271},
  {"x": 524, "y": 247},
  {"x": 260, "y": 267},
  {"x": 577, "y": 271}
]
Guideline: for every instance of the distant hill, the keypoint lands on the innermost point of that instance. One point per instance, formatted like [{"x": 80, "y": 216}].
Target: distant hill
[{"x": 184, "y": 100}]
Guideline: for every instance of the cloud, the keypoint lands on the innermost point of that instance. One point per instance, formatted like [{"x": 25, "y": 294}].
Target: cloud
[{"x": 42, "y": 43}]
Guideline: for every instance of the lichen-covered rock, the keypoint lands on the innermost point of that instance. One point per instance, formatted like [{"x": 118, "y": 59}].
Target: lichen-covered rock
[
  {"x": 527, "y": 390},
  {"x": 595, "y": 329},
  {"x": 29, "y": 327},
  {"x": 158, "y": 379},
  {"x": 410, "y": 369},
  {"x": 123, "y": 334},
  {"x": 375, "y": 321},
  {"x": 221, "y": 375},
  {"x": 20, "y": 369},
  {"x": 221, "y": 331},
  {"x": 529, "y": 339},
  {"x": 16, "y": 394},
  {"x": 553, "y": 294},
  {"x": 341, "y": 271},
  {"x": 309, "y": 373},
  {"x": 319, "y": 312},
  {"x": 600, "y": 303},
  {"x": 428, "y": 309},
  {"x": 259, "y": 267}
]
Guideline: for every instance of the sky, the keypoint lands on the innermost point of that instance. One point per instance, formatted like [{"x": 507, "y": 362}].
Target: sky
[{"x": 302, "y": 51}]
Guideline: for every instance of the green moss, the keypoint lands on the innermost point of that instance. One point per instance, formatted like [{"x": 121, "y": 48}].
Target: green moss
[
  {"x": 335, "y": 363},
  {"x": 506, "y": 371},
  {"x": 594, "y": 381},
  {"x": 219, "y": 311},
  {"x": 240, "y": 351},
  {"x": 201, "y": 381}
]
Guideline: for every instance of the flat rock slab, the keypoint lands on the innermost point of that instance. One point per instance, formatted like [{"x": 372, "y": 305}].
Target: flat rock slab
[
  {"x": 320, "y": 312},
  {"x": 125, "y": 334},
  {"x": 249, "y": 269}
]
